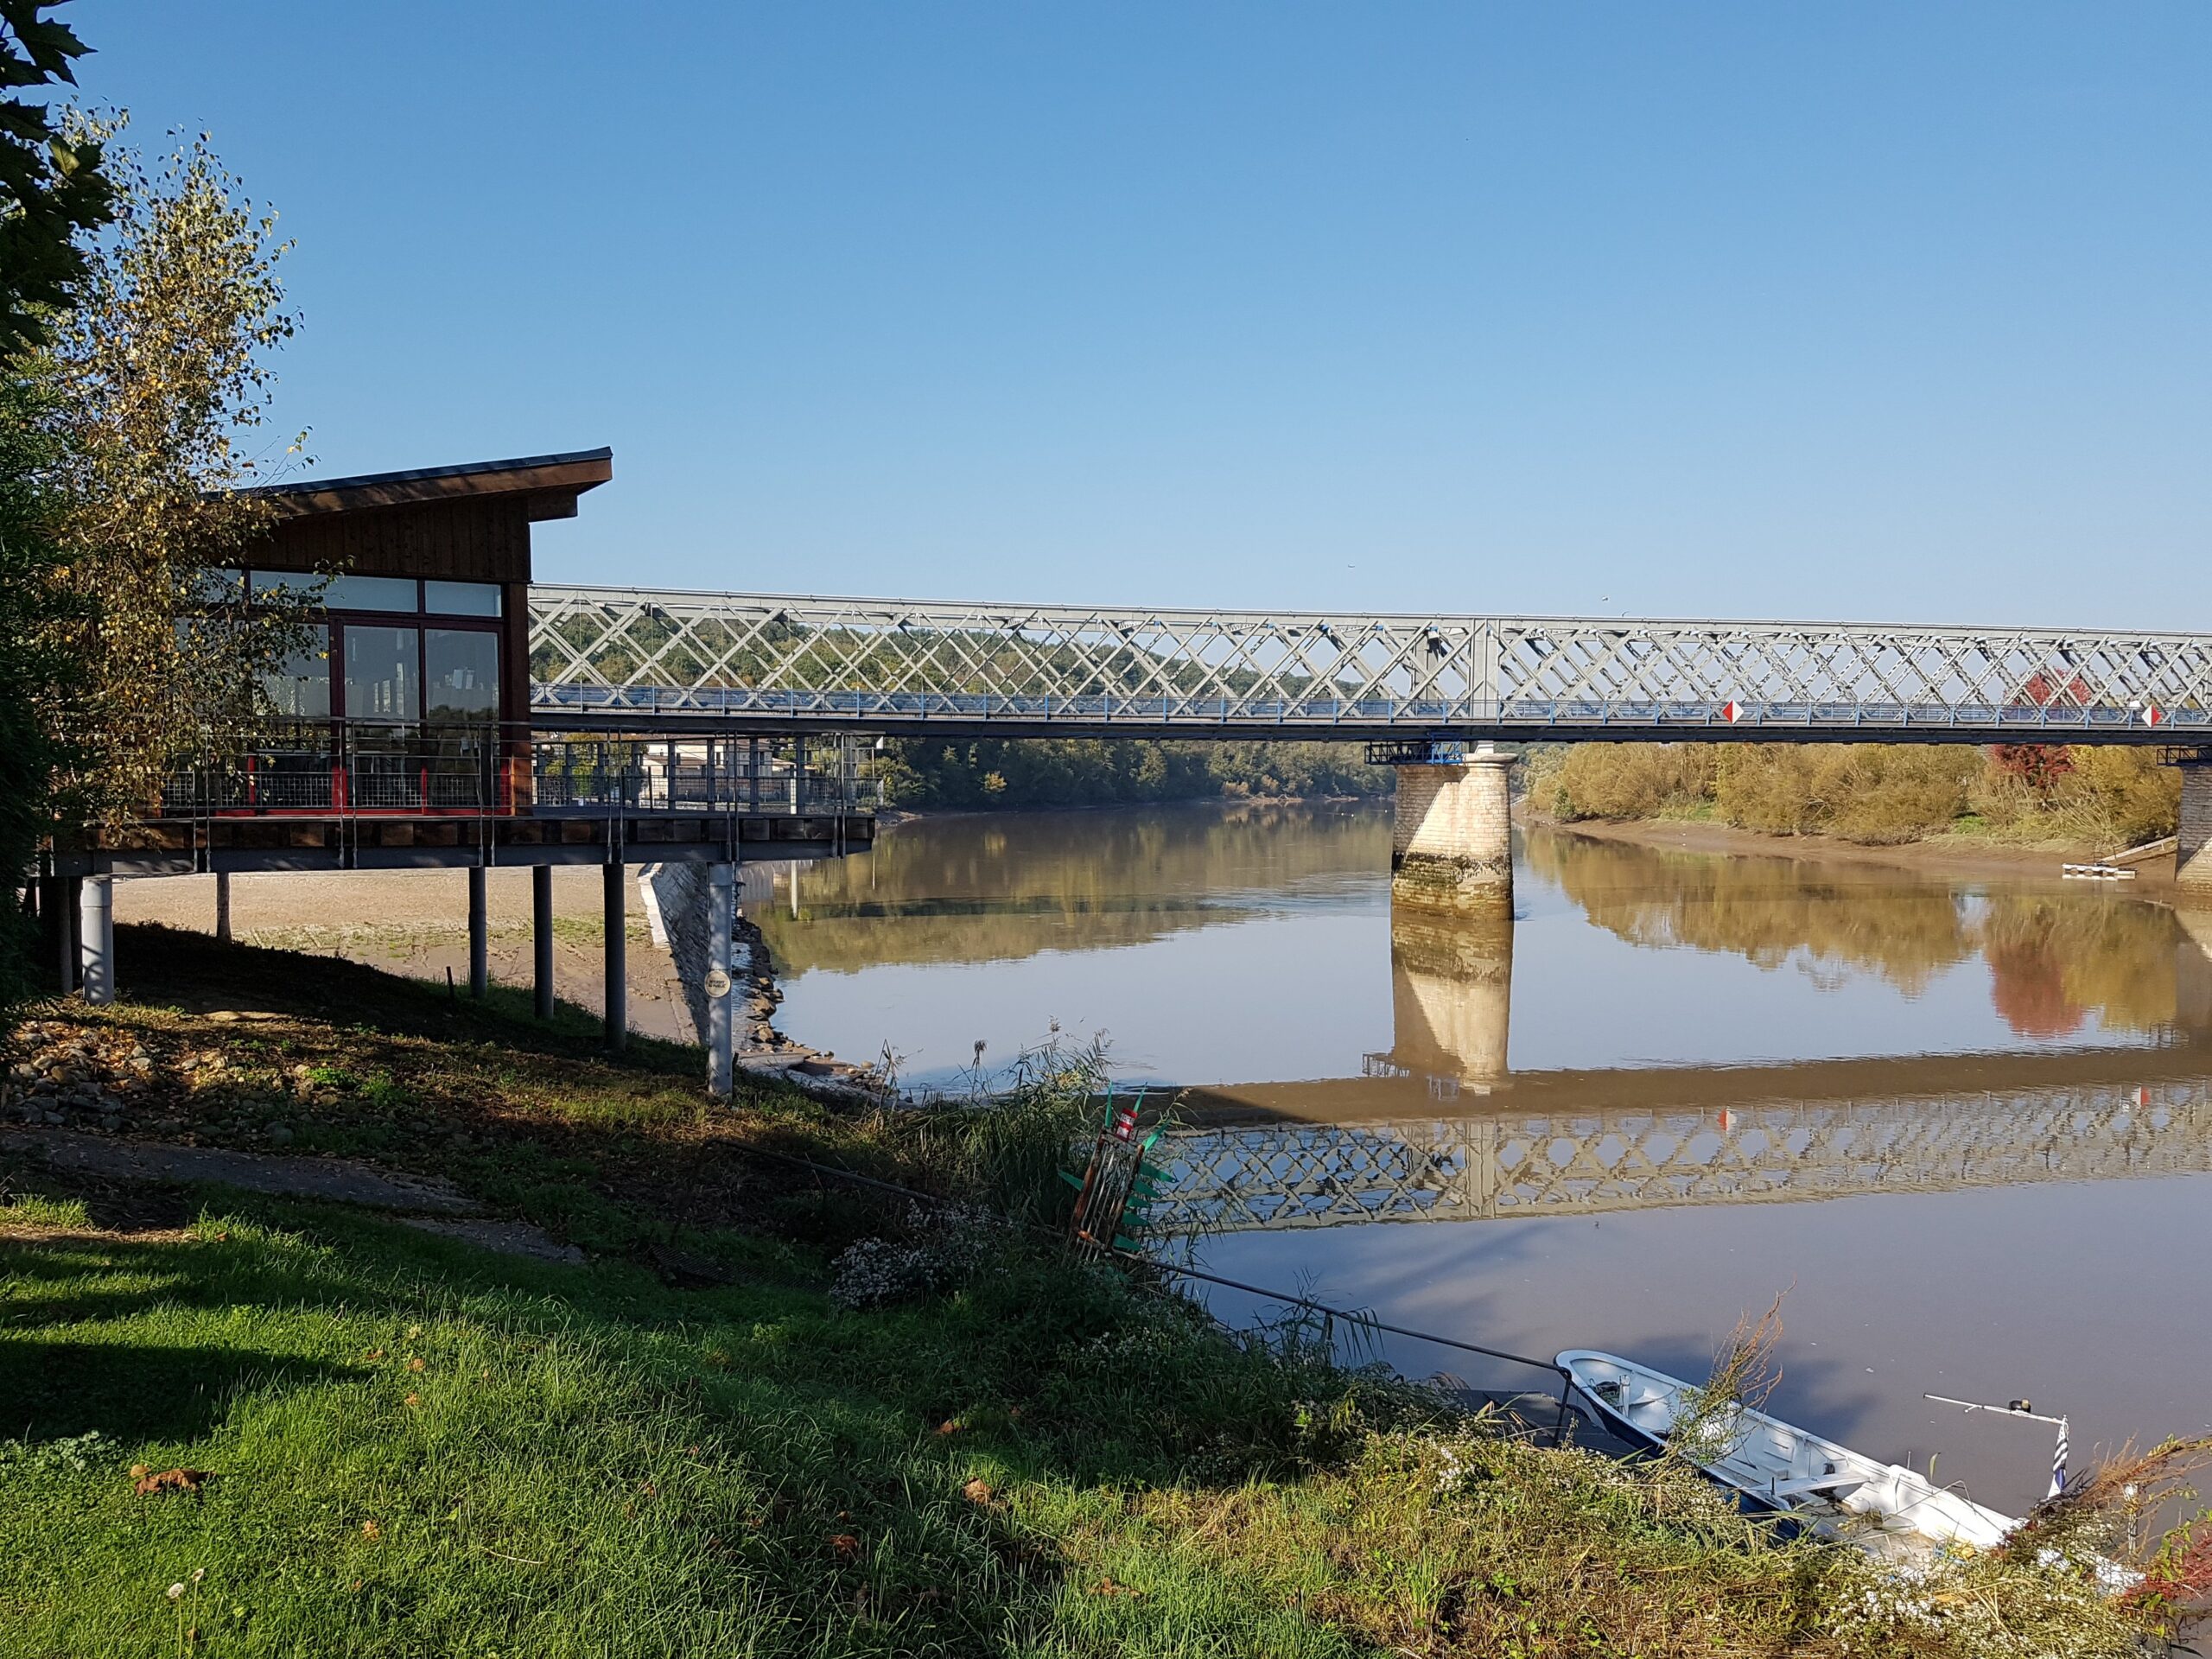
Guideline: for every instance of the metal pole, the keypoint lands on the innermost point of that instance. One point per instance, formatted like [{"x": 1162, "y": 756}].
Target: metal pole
[
  {"x": 223, "y": 906},
  {"x": 96, "y": 930},
  {"x": 722, "y": 915},
  {"x": 614, "y": 908},
  {"x": 480, "y": 954},
  {"x": 541, "y": 930},
  {"x": 67, "y": 895}
]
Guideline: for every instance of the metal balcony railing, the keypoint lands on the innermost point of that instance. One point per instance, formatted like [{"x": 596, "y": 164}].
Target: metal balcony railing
[{"x": 359, "y": 767}]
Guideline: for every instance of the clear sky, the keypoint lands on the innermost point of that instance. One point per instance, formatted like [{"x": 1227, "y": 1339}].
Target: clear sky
[{"x": 1836, "y": 310}]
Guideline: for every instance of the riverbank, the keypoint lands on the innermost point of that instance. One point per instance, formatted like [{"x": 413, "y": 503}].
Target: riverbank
[
  {"x": 1953, "y": 854},
  {"x": 332, "y": 1431}
]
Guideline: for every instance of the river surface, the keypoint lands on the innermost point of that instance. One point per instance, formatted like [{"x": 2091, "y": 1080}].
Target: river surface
[{"x": 1961, "y": 1124}]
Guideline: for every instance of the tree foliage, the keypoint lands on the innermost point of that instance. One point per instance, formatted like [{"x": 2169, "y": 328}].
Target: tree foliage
[
  {"x": 2109, "y": 797},
  {"x": 52, "y": 192},
  {"x": 52, "y": 185},
  {"x": 152, "y": 382},
  {"x": 931, "y": 773}
]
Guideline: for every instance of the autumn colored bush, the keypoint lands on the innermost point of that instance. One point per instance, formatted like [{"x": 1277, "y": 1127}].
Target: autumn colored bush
[
  {"x": 1623, "y": 781},
  {"x": 2105, "y": 798}
]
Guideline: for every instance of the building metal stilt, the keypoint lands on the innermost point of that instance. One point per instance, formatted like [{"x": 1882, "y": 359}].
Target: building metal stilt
[
  {"x": 614, "y": 909},
  {"x": 479, "y": 954},
  {"x": 96, "y": 939},
  {"x": 541, "y": 937}
]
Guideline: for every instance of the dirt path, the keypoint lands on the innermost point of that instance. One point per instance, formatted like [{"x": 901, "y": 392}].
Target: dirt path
[{"x": 422, "y": 1202}]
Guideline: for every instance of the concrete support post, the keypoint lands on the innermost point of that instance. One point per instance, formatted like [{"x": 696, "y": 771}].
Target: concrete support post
[
  {"x": 96, "y": 936},
  {"x": 722, "y": 994},
  {"x": 2193, "y": 834},
  {"x": 614, "y": 911},
  {"x": 479, "y": 941},
  {"x": 541, "y": 938},
  {"x": 223, "y": 906},
  {"x": 1452, "y": 834}
]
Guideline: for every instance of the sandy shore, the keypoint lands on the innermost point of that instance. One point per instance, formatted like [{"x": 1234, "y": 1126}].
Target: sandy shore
[
  {"x": 415, "y": 922},
  {"x": 1955, "y": 857}
]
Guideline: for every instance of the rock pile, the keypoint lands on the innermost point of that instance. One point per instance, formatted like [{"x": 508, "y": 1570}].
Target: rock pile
[{"x": 74, "y": 1078}]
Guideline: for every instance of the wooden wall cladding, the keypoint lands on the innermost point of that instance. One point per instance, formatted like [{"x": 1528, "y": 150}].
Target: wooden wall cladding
[{"x": 483, "y": 539}]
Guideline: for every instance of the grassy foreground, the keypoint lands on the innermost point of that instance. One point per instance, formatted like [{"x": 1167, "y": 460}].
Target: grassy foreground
[{"x": 392, "y": 1442}]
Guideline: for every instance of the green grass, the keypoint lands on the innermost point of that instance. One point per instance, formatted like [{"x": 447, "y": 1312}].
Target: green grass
[{"x": 413, "y": 1447}]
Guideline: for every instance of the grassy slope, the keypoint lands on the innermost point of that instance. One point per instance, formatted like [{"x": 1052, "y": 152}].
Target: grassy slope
[{"x": 421, "y": 1448}]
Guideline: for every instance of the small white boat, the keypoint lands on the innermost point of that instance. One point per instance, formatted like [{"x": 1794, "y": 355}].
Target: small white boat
[{"x": 1889, "y": 1512}]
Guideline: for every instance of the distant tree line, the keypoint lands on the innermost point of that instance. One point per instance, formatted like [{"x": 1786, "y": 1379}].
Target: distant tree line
[
  {"x": 1872, "y": 793},
  {"x": 926, "y": 773}
]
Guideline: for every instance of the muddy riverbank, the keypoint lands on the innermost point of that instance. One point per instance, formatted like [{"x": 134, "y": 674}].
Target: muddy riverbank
[{"x": 1946, "y": 855}]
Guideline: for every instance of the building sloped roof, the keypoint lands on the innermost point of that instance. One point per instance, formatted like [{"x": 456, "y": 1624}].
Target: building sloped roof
[{"x": 551, "y": 483}]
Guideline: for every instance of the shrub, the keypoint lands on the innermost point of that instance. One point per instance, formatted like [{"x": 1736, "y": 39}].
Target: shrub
[{"x": 1623, "y": 781}]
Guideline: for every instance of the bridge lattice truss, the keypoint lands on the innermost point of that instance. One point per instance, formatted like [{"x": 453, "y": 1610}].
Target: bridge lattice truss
[
  {"x": 1281, "y": 1175},
  {"x": 705, "y": 661}
]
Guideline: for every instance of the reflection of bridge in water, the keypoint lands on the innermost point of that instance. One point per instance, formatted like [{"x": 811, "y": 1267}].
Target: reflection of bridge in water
[{"x": 1553, "y": 1143}]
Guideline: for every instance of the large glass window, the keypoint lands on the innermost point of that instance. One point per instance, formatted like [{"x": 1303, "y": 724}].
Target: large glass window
[
  {"x": 372, "y": 593},
  {"x": 301, "y": 689},
  {"x": 383, "y": 671},
  {"x": 461, "y": 598},
  {"x": 462, "y": 673}
]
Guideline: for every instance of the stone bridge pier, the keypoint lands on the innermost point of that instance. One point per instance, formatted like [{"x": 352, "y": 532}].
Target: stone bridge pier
[
  {"x": 2193, "y": 834},
  {"x": 1452, "y": 834}
]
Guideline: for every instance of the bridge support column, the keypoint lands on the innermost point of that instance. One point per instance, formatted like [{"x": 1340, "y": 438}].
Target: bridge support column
[
  {"x": 2193, "y": 834},
  {"x": 615, "y": 912},
  {"x": 1452, "y": 834},
  {"x": 541, "y": 938}
]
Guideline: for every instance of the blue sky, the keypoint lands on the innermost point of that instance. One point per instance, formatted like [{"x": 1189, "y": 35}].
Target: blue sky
[{"x": 1867, "y": 310}]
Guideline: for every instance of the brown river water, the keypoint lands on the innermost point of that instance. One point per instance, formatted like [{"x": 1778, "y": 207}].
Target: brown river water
[{"x": 1963, "y": 1121}]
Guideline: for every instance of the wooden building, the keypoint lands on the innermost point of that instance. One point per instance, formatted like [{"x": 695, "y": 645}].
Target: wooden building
[{"x": 428, "y": 589}]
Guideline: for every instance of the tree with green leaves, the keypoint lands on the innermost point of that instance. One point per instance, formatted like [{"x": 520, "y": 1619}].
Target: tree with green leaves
[
  {"x": 156, "y": 382},
  {"x": 53, "y": 187},
  {"x": 53, "y": 193}
]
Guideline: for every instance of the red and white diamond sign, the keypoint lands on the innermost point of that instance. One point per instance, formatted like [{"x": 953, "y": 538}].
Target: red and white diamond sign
[
  {"x": 2152, "y": 714},
  {"x": 1731, "y": 711}
]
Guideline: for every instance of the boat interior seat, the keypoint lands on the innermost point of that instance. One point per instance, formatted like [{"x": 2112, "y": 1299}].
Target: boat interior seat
[{"x": 1841, "y": 1480}]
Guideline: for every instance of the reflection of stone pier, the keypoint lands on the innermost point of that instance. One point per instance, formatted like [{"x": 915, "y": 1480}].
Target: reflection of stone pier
[{"x": 1451, "y": 995}]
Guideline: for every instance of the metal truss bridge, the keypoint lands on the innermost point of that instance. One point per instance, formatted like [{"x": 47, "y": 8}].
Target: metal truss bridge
[
  {"x": 1494, "y": 1166},
  {"x": 677, "y": 662}
]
